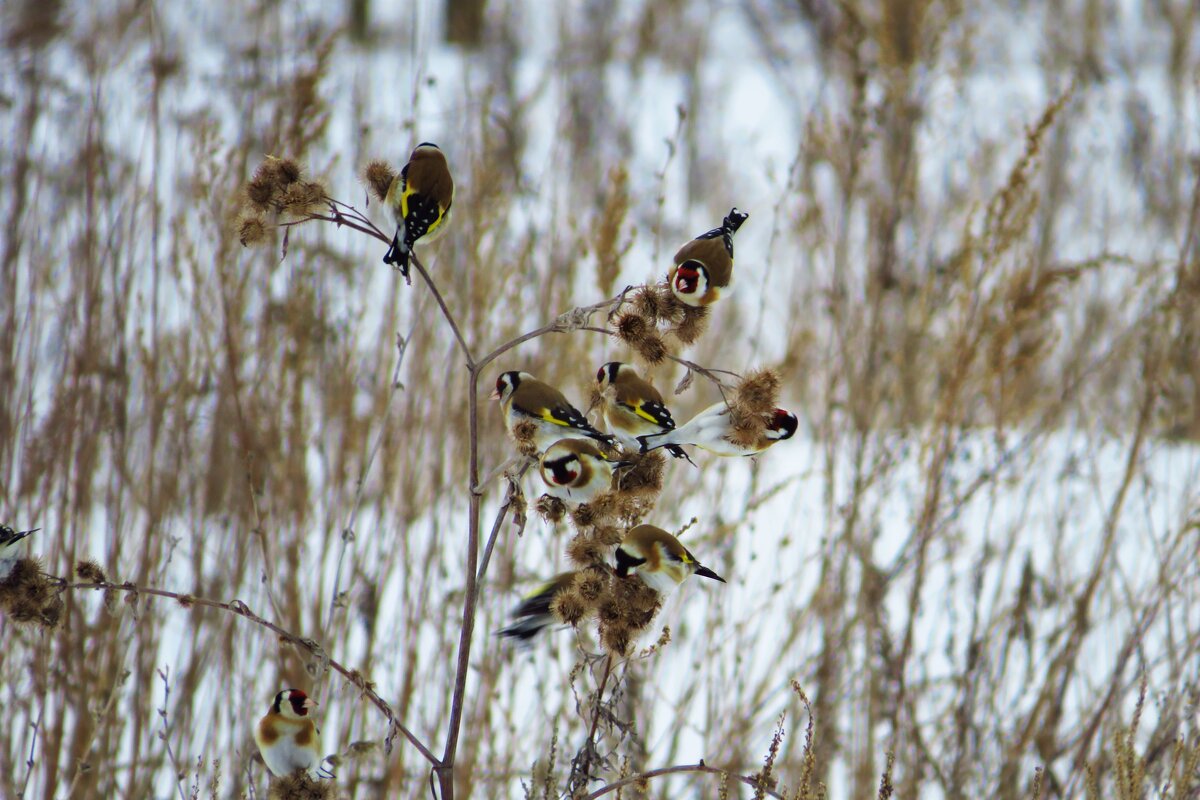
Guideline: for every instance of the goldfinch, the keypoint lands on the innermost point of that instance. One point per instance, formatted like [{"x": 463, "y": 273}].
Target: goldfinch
[
  {"x": 575, "y": 470},
  {"x": 523, "y": 397},
  {"x": 632, "y": 407},
  {"x": 712, "y": 430},
  {"x": 533, "y": 614},
  {"x": 287, "y": 737},
  {"x": 420, "y": 198},
  {"x": 658, "y": 559},
  {"x": 704, "y": 266},
  {"x": 11, "y": 549}
]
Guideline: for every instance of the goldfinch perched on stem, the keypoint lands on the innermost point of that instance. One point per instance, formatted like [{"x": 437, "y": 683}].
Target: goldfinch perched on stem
[
  {"x": 575, "y": 470},
  {"x": 287, "y": 737},
  {"x": 658, "y": 559},
  {"x": 420, "y": 198},
  {"x": 704, "y": 266},
  {"x": 533, "y": 614},
  {"x": 523, "y": 398},
  {"x": 11, "y": 548},
  {"x": 713, "y": 430},
  {"x": 632, "y": 407}
]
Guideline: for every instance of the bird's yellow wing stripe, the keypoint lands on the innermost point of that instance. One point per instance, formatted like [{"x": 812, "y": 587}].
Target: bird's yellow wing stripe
[
  {"x": 641, "y": 412},
  {"x": 408, "y": 192},
  {"x": 547, "y": 415}
]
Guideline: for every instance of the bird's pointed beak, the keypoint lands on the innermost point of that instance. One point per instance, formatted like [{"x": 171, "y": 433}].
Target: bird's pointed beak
[
  {"x": 310, "y": 703},
  {"x": 495, "y": 395},
  {"x": 705, "y": 572}
]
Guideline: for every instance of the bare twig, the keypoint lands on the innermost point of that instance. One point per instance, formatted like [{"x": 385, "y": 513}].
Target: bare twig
[
  {"x": 500, "y": 515},
  {"x": 348, "y": 528},
  {"x": 437, "y": 295},
  {"x": 166, "y": 730},
  {"x": 749, "y": 780},
  {"x": 29, "y": 762},
  {"x": 573, "y": 320},
  {"x": 444, "y": 769}
]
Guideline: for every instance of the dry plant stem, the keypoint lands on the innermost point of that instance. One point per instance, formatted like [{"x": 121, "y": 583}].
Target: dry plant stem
[
  {"x": 711, "y": 373},
  {"x": 437, "y": 295},
  {"x": 608, "y": 662},
  {"x": 348, "y": 528},
  {"x": 504, "y": 509},
  {"x": 570, "y": 321},
  {"x": 240, "y": 609},
  {"x": 29, "y": 762},
  {"x": 680, "y": 768},
  {"x": 166, "y": 730}
]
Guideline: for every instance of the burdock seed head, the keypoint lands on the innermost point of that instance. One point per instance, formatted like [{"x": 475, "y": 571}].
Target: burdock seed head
[
  {"x": 649, "y": 303},
  {"x": 625, "y": 611},
  {"x": 302, "y": 197},
  {"x": 299, "y": 786},
  {"x": 550, "y": 508},
  {"x": 270, "y": 180},
  {"x": 252, "y": 230},
  {"x": 651, "y": 348},
  {"x": 758, "y": 393},
  {"x": 378, "y": 176},
  {"x": 569, "y": 606},
  {"x": 584, "y": 551},
  {"x": 631, "y": 327},
  {"x": 692, "y": 324},
  {"x": 27, "y": 595},
  {"x": 523, "y": 433}
]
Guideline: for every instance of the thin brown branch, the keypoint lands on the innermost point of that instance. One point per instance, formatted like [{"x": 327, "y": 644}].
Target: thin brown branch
[
  {"x": 240, "y": 609},
  {"x": 573, "y": 320},
  {"x": 444, "y": 770},
  {"x": 749, "y": 780},
  {"x": 437, "y": 295},
  {"x": 504, "y": 509},
  {"x": 29, "y": 762},
  {"x": 348, "y": 528},
  {"x": 166, "y": 730}
]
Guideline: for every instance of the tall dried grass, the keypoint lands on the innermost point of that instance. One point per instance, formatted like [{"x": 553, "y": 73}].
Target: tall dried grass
[{"x": 258, "y": 467}]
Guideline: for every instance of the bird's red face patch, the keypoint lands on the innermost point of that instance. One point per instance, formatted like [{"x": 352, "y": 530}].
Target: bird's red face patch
[
  {"x": 686, "y": 279},
  {"x": 297, "y": 698},
  {"x": 565, "y": 470}
]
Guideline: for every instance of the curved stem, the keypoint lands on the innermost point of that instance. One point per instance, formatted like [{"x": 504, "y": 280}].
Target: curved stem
[
  {"x": 444, "y": 769},
  {"x": 570, "y": 321},
  {"x": 239, "y": 608},
  {"x": 750, "y": 781},
  {"x": 437, "y": 295}
]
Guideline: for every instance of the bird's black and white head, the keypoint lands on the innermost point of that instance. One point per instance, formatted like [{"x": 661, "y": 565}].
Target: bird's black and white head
[
  {"x": 293, "y": 704},
  {"x": 607, "y": 375},
  {"x": 561, "y": 468},
  {"x": 690, "y": 282},
  {"x": 782, "y": 426},
  {"x": 659, "y": 559},
  {"x": 507, "y": 383}
]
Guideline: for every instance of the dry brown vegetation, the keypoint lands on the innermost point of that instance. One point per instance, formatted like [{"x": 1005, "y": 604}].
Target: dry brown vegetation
[{"x": 256, "y": 467}]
